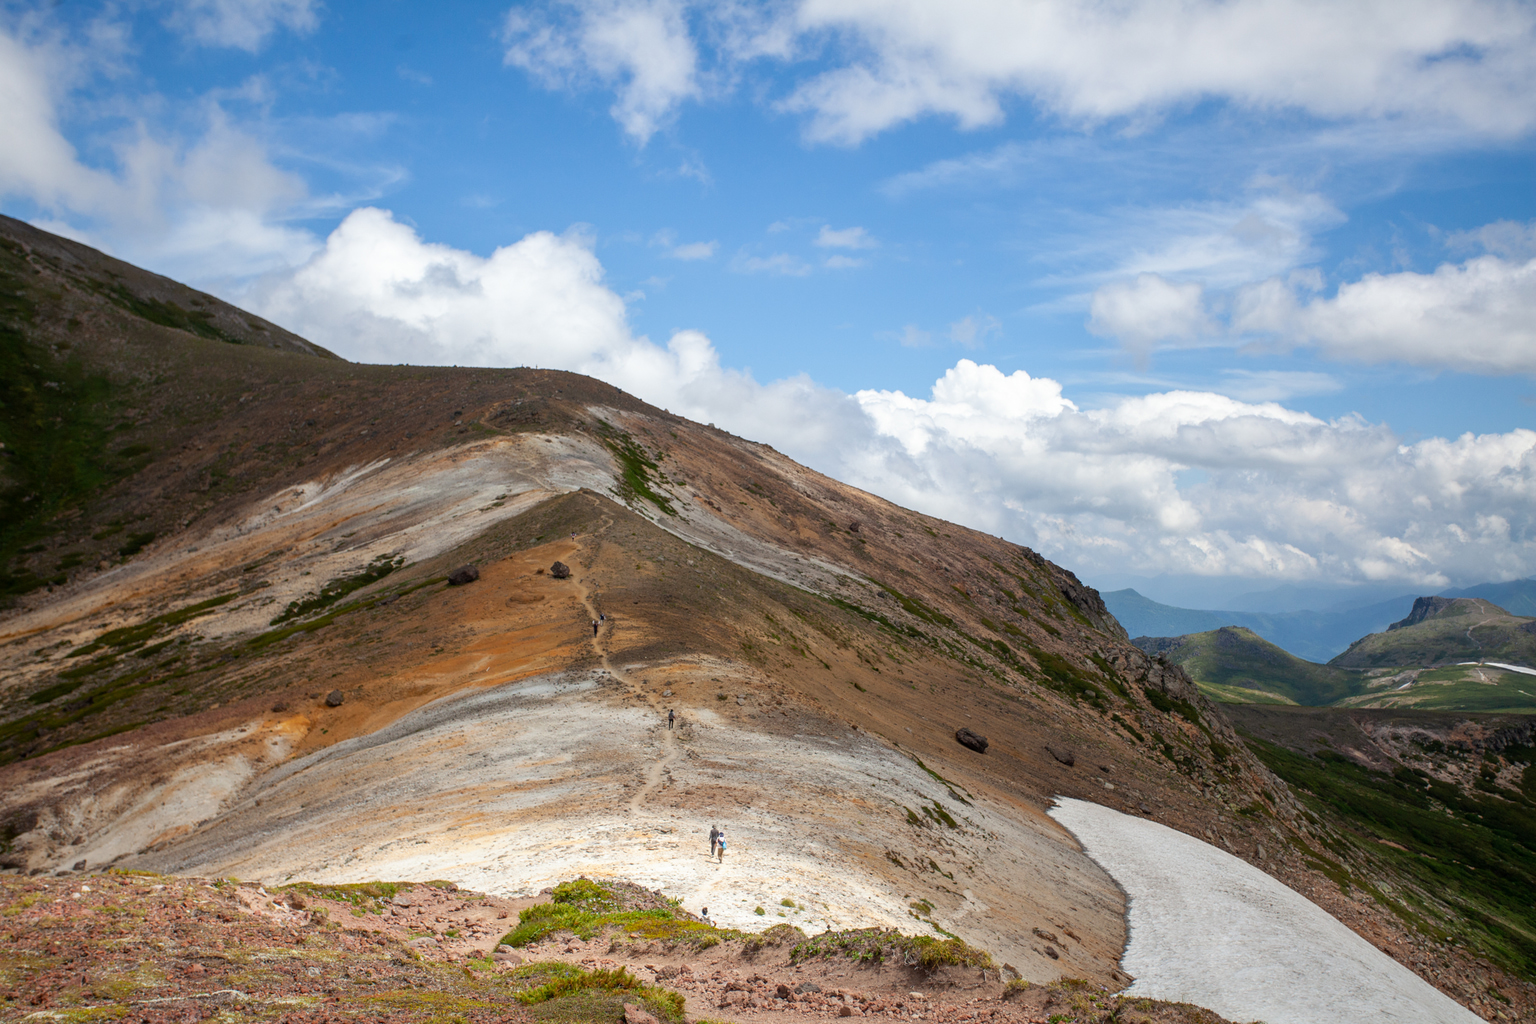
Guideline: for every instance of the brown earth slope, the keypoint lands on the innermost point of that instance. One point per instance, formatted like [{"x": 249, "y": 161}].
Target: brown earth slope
[{"x": 274, "y": 679}]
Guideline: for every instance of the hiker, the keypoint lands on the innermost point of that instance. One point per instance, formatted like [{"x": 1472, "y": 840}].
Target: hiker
[
  {"x": 704, "y": 916},
  {"x": 721, "y": 847},
  {"x": 714, "y": 838},
  {"x": 594, "y": 627},
  {"x": 671, "y": 717}
]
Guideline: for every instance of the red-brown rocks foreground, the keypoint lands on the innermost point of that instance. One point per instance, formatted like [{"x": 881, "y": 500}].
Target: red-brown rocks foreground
[{"x": 141, "y": 947}]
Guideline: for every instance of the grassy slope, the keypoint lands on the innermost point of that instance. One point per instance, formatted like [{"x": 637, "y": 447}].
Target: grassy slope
[
  {"x": 1455, "y": 688},
  {"x": 1468, "y": 859},
  {"x": 1236, "y": 665},
  {"x": 1469, "y": 630}
]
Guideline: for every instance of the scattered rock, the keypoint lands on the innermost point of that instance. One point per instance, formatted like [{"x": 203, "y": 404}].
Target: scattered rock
[
  {"x": 1051, "y": 952},
  {"x": 1062, "y": 754},
  {"x": 80, "y": 864},
  {"x": 279, "y": 707},
  {"x": 666, "y": 693},
  {"x": 462, "y": 575},
  {"x": 784, "y": 992},
  {"x": 807, "y": 986},
  {"x": 334, "y": 699},
  {"x": 1144, "y": 808},
  {"x": 845, "y": 1010},
  {"x": 853, "y": 527},
  {"x": 966, "y": 738},
  {"x": 560, "y": 571},
  {"x": 634, "y": 1014}
]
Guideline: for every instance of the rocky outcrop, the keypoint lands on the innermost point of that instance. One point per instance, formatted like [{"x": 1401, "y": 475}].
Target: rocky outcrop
[{"x": 1423, "y": 608}]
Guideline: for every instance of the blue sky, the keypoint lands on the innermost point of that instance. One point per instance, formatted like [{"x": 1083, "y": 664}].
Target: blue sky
[{"x": 1233, "y": 294}]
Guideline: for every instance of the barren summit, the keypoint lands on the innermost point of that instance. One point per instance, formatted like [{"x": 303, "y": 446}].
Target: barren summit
[{"x": 238, "y": 646}]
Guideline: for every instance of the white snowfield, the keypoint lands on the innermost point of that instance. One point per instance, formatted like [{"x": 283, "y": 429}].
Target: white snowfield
[
  {"x": 1208, "y": 928},
  {"x": 1500, "y": 664}
]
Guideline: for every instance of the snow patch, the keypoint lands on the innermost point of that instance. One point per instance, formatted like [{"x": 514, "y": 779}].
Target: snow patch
[{"x": 1208, "y": 928}]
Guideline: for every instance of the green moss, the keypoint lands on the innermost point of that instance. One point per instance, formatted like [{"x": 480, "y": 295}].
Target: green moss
[
  {"x": 878, "y": 945},
  {"x": 635, "y": 467},
  {"x": 340, "y": 587}
]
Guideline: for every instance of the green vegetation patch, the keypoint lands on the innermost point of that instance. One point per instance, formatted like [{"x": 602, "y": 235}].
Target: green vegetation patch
[
  {"x": 1474, "y": 852},
  {"x": 55, "y": 422},
  {"x": 339, "y": 588},
  {"x": 132, "y": 636},
  {"x": 580, "y": 986},
  {"x": 365, "y": 896},
  {"x": 888, "y": 946},
  {"x": 635, "y": 467},
  {"x": 587, "y": 909}
]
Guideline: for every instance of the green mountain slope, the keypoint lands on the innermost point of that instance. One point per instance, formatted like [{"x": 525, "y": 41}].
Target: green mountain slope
[
  {"x": 1314, "y": 635},
  {"x": 1237, "y": 666},
  {"x": 1446, "y": 631}
]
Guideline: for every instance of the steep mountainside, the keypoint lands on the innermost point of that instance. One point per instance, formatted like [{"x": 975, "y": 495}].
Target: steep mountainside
[
  {"x": 1445, "y": 631},
  {"x": 241, "y": 644},
  {"x": 1237, "y": 665}
]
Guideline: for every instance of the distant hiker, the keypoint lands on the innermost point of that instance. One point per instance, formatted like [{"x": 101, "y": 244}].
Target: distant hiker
[
  {"x": 671, "y": 717},
  {"x": 594, "y": 627},
  {"x": 602, "y": 617},
  {"x": 714, "y": 839},
  {"x": 704, "y": 914},
  {"x": 720, "y": 849}
]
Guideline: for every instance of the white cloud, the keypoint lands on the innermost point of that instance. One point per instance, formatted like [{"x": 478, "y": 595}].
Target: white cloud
[
  {"x": 694, "y": 251},
  {"x": 1147, "y": 310},
  {"x": 779, "y": 263},
  {"x": 640, "y": 48},
  {"x": 207, "y": 208},
  {"x": 844, "y": 238},
  {"x": 837, "y": 261},
  {"x": 1478, "y": 317},
  {"x": 913, "y": 336},
  {"x": 1283, "y": 494},
  {"x": 1466, "y": 63},
  {"x": 971, "y": 331},
  {"x": 1456, "y": 65},
  {"x": 241, "y": 24}
]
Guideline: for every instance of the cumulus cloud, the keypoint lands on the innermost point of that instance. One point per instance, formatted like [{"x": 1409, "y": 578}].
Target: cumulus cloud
[
  {"x": 242, "y": 24},
  {"x": 844, "y": 238},
  {"x": 208, "y": 207},
  {"x": 641, "y": 49},
  {"x": 1478, "y": 316},
  {"x": 1465, "y": 65},
  {"x": 1147, "y": 310},
  {"x": 1282, "y": 494}
]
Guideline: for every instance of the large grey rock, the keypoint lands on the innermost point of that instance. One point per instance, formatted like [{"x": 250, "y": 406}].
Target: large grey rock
[
  {"x": 334, "y": 699},
  {"x": 560, "y": 571},
  {"x": 462, "y": 575},
  {"x": 967, "y": 738}
]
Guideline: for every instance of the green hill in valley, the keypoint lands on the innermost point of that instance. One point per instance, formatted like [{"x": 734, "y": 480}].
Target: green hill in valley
[
  {"x": 1446, "y": 631},
  {"x": 1235, "y": 665}
]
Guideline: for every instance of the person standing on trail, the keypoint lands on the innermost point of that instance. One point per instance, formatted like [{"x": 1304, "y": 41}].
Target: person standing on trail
[
  {"x": 720, "y": 847},
  {"x": 594, "y": 627},
  {"x": 671, "y": 717},
  {"x": 714, "y": 838}
]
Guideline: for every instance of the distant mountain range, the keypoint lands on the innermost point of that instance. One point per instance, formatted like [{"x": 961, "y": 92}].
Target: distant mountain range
[
  {"x": 1448, "y": 653},
  {"x": 1314, "y": 635}
]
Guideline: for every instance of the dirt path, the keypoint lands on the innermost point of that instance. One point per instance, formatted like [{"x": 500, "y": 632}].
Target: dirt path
[{"x": 670, "y": 748}]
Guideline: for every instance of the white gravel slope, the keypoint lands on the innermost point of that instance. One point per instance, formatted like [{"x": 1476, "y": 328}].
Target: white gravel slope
[{"x": 1208, "y": 928}]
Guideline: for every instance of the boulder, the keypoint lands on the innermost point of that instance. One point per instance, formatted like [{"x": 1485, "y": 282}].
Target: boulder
[
  {"x": 560, "y": 571},
  {"x": 966, "y": 738},
  {"x": 462, "y": 575},
  {"x": 279, "y": 707},
  {"x": 634, "y": 1014},
  {"x": 1062, "y": 754},
  {"x": 334, "y": 699}
]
